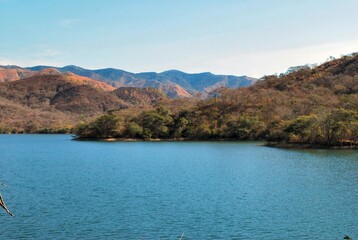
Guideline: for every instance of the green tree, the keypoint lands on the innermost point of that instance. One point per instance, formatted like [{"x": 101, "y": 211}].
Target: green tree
[
  {"x": 340, "y": 125},
  {"x": 156, "y": 124},
  {"x": 180, "y": 125},
  {"x": 103, "y": 127},
  {"x": 302, "y": 129},
  {"x": 134, "y": 130},
  {"x": 244, "y": 127}
]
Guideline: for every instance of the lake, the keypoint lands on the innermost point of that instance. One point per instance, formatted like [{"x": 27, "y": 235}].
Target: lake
[{"x": 64, "y": 189}]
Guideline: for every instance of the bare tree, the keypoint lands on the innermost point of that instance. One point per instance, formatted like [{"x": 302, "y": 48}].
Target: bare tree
[{"x": 3, "y": 205}]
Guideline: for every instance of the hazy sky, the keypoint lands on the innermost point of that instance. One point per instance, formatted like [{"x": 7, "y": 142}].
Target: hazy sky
[{"x": 241, "y": 37}]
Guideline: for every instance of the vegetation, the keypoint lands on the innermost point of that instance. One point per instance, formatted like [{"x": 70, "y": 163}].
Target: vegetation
[
  {"x": 338, "y": 128},
  {"x": 308, "y": 105},
  {"x": 315, "y": 106}
]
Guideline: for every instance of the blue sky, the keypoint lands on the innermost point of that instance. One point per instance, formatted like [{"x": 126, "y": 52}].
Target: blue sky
[{"x": 241, "y": 37}]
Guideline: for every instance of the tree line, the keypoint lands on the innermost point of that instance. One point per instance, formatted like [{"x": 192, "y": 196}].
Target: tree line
[{"x": 338, "y": 127}]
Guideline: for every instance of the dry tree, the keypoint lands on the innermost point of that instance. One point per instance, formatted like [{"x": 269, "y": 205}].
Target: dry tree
[{"x": 3, "y": 205}]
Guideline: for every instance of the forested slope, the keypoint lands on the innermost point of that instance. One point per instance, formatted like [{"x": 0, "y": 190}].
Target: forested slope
[{"x": 316, "y": 106}]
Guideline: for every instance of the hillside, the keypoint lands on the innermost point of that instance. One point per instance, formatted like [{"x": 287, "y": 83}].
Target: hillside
[
  {"x": 313, "y": 106},
  {"x": 139, "y": 95},
  {"x": 12, "y": 73},
  {"x": 53, "y": 100},
  {"x": 50, "y": 99},
  {"x": 50, "y": 89},
  {"x": 18, "y": 118}
]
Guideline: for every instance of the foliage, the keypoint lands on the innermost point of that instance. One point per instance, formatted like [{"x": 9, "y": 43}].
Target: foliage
[
  {"x": 244, "y": 127},
  {"x": 105, "y": 126}
]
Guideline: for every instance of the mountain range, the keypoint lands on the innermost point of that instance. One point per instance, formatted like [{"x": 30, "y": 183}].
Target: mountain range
[
  {"x": 173, "y": 82},
  {"x": 44, "y": 97}
]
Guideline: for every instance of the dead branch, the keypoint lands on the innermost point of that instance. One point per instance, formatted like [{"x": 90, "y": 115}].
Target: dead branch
[{"x": 3, "y": 205}]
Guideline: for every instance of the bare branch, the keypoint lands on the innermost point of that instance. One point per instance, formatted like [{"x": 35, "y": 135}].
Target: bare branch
[{"x": 3, "y": 205}]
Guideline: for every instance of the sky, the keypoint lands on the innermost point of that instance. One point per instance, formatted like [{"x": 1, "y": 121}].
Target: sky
[{"x": 238, "y": 37}]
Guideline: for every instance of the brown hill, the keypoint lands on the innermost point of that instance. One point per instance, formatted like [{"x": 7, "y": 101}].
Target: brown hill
[
  {"x": 86, "y": 100},
  {"x": 174, "y": 91},
  {"x": 338, "y": 76},
  {"x": 13, "y": 74},
  {"x": 67, "y": 93},
  {"x": 139, "y": 95},
  {"x": 49, "y": 71},
  {"x": 53, "y": 100},
  {"x": 75, "y": 79},
  {"x": 87, "y": 81}
]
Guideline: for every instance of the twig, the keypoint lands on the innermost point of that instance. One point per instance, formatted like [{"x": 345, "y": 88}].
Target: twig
[{"x": 3, "y": 205}]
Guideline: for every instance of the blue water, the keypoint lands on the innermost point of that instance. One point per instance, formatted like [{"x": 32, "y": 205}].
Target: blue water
[{"x": 64, "y": 189}]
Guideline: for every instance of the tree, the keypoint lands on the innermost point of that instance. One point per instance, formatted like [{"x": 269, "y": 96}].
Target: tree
[
  {"x": 180, "y": 125},
  {"x": 302, "y": 127},
  {"x": 340, "y": 125},
  {"x": 244, "y": 127},
  {"x": 134, "y": 130},
  {"x": 106, "y": 125},
  {"x": 103, "y": 127},
  {"x": 156, "y": 123}
]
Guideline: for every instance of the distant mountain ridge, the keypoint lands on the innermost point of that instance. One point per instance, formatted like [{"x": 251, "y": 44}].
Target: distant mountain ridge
[{"x": 172, "y": 79}]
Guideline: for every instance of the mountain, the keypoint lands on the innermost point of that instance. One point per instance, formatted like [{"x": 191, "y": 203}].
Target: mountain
[
  {"x": 50, "y": 99},
  {"x": 52, "y": 90},
  {"x": 206, "y": 82},
  {"x": 175, "y": 83}
]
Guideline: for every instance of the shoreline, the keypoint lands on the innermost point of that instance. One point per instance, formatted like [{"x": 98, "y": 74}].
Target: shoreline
[
  {"x": 163, "y": 140},
  {"x": 264, "y": 143},
  {"x": 283, "y": 145},
  {"x": 309, "y": 146}
]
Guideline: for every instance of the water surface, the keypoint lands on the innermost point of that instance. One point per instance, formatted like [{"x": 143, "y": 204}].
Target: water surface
[{"x": 64, "y": 189}]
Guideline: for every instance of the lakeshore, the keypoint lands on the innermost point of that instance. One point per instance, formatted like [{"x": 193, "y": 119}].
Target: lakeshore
[{"x": 263, "y": 143}]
